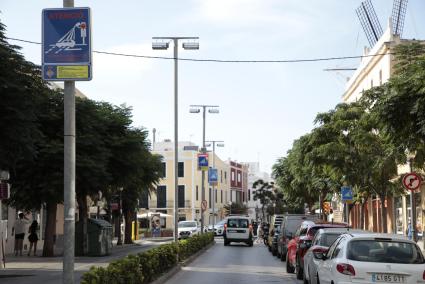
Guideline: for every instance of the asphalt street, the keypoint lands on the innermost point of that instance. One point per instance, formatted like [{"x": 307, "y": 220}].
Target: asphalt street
[{"x": 236, "y": 263}]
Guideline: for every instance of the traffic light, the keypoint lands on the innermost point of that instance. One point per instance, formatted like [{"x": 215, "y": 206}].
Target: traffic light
[{"x": 326, "y": 207}]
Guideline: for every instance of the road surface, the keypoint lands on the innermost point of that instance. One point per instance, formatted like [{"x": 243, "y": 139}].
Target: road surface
[{"x": 236, "y": 263}]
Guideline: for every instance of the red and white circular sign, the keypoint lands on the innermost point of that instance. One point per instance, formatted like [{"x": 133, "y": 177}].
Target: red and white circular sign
[{"x": 412, "y": 181}]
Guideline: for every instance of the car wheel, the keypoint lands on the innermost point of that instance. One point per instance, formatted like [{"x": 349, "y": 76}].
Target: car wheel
[
  {"x": 226, "y": 242},
  {"x": 250, "y": 243},
  {"x": 282, "y": 256},
  {"x": 299, "y": 270},
  {"x": 289, "y": 267}
]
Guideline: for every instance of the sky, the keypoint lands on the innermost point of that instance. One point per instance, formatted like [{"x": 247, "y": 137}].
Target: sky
[{"x": 263, "y": 107}]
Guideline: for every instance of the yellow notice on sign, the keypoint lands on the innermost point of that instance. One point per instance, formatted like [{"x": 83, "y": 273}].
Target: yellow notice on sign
[{"x": 73, "y": 72}]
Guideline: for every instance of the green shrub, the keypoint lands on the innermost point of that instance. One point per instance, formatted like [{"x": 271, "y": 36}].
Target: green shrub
[{"x": 148, "y": 265}]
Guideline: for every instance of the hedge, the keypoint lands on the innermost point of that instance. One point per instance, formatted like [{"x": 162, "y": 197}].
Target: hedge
[{"x": 148, "y": 265}]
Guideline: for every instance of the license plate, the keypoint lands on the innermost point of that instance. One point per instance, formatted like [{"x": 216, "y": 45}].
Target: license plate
[{"x": 388, "y": 278}]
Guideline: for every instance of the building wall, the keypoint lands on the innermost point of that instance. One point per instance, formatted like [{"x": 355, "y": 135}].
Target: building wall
[{"x": 192, "y": 182}]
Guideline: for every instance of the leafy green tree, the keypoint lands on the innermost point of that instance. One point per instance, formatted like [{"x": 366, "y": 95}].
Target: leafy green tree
[{"x": 235, "y": 208}]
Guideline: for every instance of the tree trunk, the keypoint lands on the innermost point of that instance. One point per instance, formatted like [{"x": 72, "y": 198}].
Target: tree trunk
[
  {"x": 49, "y": 233},
  {"x": 128, "y": 222},
  {"x": 383, "y": 214},
  {"x": 83, "y": 216},
  {"x": 362, "y": 215}
]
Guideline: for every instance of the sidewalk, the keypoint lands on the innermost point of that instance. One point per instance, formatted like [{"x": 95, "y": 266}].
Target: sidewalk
[{"x": 48, "y": 270}]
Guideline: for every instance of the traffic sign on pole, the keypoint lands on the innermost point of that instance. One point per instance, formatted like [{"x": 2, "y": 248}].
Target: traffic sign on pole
[
  {"x": 346, "y": 193},
  {"x": 412, "y": 181},
  {"x": 66, "y": 41},
  {"x": 203, "y": 162},
  {"x": 212, "y": 176}
]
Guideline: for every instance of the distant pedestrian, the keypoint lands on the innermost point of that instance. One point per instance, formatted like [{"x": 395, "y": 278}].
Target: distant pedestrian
[
  {"x": 33, "y": 237},
  {"x": 409, "y": 230},
  {"x": 259, "y": 233},
  {"x": 19, "y": 231}
]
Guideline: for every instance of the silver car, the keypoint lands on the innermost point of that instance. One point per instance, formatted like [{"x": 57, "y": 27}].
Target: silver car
[
  {"x": 322, "y": 240},
  {"x": 218, "y": 228}
]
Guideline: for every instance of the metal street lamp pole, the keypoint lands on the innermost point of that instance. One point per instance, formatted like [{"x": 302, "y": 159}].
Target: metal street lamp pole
[
  {"x": 163, "y": 46},
  {"x": 213, "y": 187},
  {"x": 412, "y": 207},
  {"x": 213, "y": 109}
]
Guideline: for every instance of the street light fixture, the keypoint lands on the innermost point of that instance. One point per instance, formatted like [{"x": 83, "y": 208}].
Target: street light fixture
[
  {"x": 162, "y": 43},
  {"x": 197, "y": 109}
]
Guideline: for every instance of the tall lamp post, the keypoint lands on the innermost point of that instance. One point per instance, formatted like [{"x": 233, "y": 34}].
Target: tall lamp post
[
  {"x": 219, "y": 144},
  {"x": 162, "y": 43},
  {"x": 196, "y": 109}
]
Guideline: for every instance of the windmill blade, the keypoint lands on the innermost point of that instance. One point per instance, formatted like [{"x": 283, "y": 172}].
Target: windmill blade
[
  {"x": 369, "y": 21},
  {"x": 398, "y": 15}
]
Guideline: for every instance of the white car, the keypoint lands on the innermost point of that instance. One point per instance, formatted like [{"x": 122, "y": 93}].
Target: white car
[
  {"x": 238, "y": 229},
  {"x": 187, "y": 229},
  {"x": 372, "y": 258},
  {"x": 218, "y": 228}
]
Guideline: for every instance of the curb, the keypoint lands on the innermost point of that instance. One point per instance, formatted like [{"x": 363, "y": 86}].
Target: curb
[{"x": 173, "y": 271}]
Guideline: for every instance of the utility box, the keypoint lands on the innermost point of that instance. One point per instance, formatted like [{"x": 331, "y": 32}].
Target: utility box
[{"x": 99, "y": 237}]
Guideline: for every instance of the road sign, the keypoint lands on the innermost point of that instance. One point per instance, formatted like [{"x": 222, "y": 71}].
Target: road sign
[
  {"x": 203, "y": 162},
  {"x": 66, "y": 41},
  {"x": 204, "y": 205},
  {"x": 346, "y": 193},
  {"x": 212, "y": 176},
  {"x": 412, "y": 181}
]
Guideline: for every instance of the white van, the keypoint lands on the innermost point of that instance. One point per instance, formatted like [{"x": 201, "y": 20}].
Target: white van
[{"x": 238, "y": 229}]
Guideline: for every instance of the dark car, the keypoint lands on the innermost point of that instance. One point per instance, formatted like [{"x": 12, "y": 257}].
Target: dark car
[
  {"x": 299, "y": 245},
  {"x": 275, "y": 238},
  {"x": 288, "y": 227}
]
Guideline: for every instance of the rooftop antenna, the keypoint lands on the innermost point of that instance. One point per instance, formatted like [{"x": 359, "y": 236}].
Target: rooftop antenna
[
  {"x": 398, "y": 15},
  {"x": 369, "y": 21}
]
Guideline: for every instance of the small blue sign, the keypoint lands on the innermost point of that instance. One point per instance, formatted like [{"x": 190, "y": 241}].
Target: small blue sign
[
  {"x": 212, "y": 175},
  {"x": 346, "y": 193},
  {"x": 66, "y": 40},
  {"x": 203, "y": 161}
]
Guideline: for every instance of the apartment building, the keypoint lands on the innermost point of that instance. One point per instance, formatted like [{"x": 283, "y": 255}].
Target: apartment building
[
  {"x": 374, "y": 71},
  {"x": 189, "y": 185}
]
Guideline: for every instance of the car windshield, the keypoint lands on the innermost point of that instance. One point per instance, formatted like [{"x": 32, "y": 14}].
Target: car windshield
[
  {"x": 237, "y": 223},
  {"x": 292, "y": 225},
  {"x": 187, "y": 224},
  {"x": 221, "y": 222},
  {"x": 388, "y": 251},
  {"x": 327, "y": 239}
]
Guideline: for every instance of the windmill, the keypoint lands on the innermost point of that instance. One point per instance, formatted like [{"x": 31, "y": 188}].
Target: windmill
[
  {"x": 369, "y": 21},
  {"x": 398, "y": 15}
]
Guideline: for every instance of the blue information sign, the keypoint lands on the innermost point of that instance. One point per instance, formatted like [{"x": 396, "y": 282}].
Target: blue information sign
[
  {"x": 203, "y": 162},
  {"x": 212, "y": 176},
  {"x": 346, "y": 193},
  {"x": 66, "y": 40}
]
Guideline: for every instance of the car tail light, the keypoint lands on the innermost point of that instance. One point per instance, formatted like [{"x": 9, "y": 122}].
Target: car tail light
[{"x": 346, "y": 269}]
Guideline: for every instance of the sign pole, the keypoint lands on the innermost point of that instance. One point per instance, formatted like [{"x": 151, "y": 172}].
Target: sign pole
[
  {"x": 69, "y": 176},
  {"x": 412, "y": 207}
]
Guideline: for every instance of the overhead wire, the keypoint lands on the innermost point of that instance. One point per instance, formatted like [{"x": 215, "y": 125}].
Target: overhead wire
[{"x": 223, "y": 60}]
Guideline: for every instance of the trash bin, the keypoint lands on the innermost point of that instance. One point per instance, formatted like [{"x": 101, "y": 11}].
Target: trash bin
[{"x": 99, "y": 237}]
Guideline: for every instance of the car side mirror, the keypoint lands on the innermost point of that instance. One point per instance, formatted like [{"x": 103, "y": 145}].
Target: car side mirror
[{"x": 319, "y": 255}]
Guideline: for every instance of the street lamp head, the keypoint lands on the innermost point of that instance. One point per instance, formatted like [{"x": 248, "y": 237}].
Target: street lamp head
[
  {"x": 213, "y": 110},
  {"x": 160, "y": 45},
  {"x": 191, "y": 45},
  {"x": 194, "y": 110}
]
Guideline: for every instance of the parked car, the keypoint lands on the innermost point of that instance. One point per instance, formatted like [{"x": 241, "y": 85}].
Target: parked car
[
  {"x": 275, "y": 238},
  {"x": 275, "y": 223},
  {"x": 371, "y": 258},
  {"x": 322, "y": 240},
  {"x": 288, "y": 227},
  {"x": 238, "y": 229},
  {"x": 187, "y": 229},
  {"x": 298, "y": 246},
  {"x": 218, "y": 228}
]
